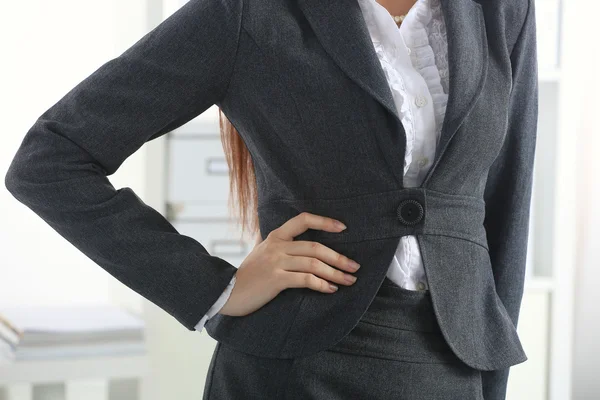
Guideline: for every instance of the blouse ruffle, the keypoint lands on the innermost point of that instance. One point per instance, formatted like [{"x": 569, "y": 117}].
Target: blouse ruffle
[
  {"x": 424, "y": 33},
  {"x": 428, "y": 42}
]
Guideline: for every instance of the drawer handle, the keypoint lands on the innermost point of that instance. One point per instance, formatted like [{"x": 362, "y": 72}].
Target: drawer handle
[
  {"x": 229, "y": 247},
  {"x": 216, "y": 166}
]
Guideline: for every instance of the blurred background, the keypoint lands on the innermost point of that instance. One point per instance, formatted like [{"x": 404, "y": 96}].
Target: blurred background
[{"x": 89, "y": 337}]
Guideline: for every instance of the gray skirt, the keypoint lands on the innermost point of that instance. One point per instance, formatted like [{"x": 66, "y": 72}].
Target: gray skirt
[{"x": 396, "y": 351}]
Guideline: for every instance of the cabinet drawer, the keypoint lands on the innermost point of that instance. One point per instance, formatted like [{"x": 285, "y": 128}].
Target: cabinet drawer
[
  {"x": 198, "y": 170},
  {"x": 205, "y": 124}
]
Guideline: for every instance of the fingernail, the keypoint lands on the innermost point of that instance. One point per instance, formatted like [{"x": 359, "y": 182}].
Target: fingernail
[
  {"x": 333, "y": 287},
  {"x": 340, "y": 225},
  {"x": 353, "y": 264},
  {"x": 349, "y": 278}
]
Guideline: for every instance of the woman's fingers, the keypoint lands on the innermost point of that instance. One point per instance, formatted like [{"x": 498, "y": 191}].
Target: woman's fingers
[
  {"x": 318, "y": 268},
  {"x": 303, "y": 221},
  {"x": 307, "y": 263},
  {"x": 320, "y": 251},
  {"x": 307, "y": 280},
  {"x": 278, "y": 262}
]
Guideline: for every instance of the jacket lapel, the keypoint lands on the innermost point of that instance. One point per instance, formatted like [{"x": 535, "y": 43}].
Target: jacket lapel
[
  {"x": 343, "y": 33},
  {"x": 467, "y": 63},
  {"x": 340, "y": 28}
]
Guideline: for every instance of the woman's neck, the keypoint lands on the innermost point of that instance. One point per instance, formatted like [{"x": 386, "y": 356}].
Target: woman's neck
[{"x": 397, "y": 7}]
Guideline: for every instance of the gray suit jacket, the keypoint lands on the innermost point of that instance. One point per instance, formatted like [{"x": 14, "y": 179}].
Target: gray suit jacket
[{"x": 300, "y": 81}]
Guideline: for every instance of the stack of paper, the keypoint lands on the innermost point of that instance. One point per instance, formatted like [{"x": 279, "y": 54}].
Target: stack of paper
[{"x": 51, "y": 332}]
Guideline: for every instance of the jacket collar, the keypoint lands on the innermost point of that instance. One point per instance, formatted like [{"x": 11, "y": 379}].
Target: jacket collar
[{"x": 340, "y": 27}]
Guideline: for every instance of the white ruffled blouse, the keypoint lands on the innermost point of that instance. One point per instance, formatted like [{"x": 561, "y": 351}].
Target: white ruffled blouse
[{"x": 414, "y": 58}]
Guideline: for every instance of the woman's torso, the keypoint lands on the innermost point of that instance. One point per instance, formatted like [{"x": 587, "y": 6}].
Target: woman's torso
[{"x": 414, "y": 58}]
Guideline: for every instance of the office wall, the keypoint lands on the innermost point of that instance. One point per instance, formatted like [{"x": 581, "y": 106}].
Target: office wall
[
  {"x": 586, "y": 357},
  {"x": 48, "y": 47}
]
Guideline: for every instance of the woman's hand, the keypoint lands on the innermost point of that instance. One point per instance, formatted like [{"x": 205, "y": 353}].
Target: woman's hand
[{"x": 279, "y": 262}]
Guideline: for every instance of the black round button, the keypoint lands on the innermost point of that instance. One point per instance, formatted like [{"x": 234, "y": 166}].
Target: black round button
[{"x": 410, "y": 212}]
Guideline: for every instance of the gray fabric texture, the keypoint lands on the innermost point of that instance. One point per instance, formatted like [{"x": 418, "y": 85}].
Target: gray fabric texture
[
  {"x": 301, "y": 82},
  {"x": 395, "y": 352}
]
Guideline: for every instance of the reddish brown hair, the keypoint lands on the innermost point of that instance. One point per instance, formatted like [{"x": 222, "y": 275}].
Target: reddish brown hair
[{"x": 243, "y": 198}]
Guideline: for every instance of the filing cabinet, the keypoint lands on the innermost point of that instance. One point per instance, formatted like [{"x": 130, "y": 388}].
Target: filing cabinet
[
  {"x": 220, "y": 238},
  {"x": 198, "y": 188}
]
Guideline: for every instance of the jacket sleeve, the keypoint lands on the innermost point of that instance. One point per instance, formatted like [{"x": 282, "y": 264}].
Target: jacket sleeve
[
  {"x": 509, "y": 188},
  {"x": 219, "y": 304},
  {"x": 169, "y": 76}
]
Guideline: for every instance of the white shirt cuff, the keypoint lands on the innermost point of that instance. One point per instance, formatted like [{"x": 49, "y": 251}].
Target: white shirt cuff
[{"x": 217, "y": 306}]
